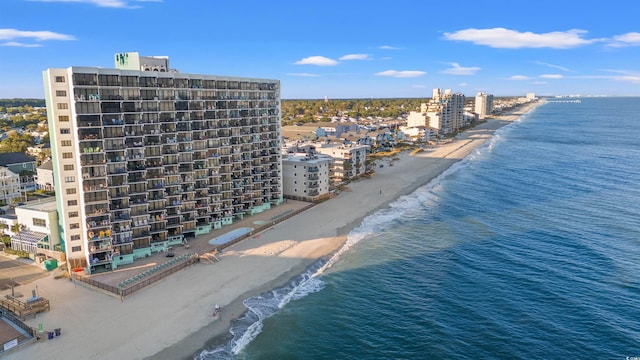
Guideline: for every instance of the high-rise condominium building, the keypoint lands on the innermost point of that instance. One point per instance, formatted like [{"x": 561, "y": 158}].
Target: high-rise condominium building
[
  {"x": 145, "y": 156},
  {"x": 445, "y": 111},
  {"x": 483, "y": 105}
]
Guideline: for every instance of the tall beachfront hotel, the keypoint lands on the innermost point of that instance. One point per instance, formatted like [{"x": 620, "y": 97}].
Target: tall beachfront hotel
[{"x": 145, "y": 156}]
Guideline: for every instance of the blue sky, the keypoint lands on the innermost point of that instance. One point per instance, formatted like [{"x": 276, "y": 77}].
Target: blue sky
[{"x": 338, "y": 49}]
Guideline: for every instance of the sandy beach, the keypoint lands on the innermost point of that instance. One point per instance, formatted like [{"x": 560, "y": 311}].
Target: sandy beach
[{"x": 173, "y": 318}]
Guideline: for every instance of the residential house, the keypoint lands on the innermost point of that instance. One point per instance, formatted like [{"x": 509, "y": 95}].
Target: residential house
[
  {"x": 44, "y": 176},
  {"x": 22, "y": 165},
  {"x": 9, "y": 186}
]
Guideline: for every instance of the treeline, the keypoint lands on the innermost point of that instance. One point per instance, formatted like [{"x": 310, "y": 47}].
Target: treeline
[
  {"x": 7, "y": 103},
  {"x": 305, "y": 111},
  {"x": 21, "y": 114}
]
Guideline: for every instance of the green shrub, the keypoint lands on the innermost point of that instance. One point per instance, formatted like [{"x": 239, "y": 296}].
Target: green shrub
[{"x": 19, "y": 253}]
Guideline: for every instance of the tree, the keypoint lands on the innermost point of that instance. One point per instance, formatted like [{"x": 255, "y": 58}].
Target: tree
[
  {"x": 16, "y": 142},
  {"x": 17, "y": 228},
  {"x": 6, "y": 240}
]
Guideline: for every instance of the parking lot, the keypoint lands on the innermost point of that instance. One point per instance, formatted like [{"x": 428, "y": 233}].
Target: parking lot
[{"x": 18, "y": 272}]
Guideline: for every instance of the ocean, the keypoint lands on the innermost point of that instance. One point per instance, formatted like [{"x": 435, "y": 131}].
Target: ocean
[{"x": 529, "y": 248}]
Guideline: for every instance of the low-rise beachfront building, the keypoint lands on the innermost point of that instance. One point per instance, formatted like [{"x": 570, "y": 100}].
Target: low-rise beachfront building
[
  {"x": 38, "y": 233},
  {"x": 145, "y": 156},
  {"x": 349, "y": 160},
  {"x": 306, "y": 177}
]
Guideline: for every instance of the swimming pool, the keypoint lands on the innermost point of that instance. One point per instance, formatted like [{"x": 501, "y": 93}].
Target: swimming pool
[{"x": 230, "y": 236}]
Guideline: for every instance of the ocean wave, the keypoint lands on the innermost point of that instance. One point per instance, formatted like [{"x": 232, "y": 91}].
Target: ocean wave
[
  {"x": 263, "y": 306},
  {"x": 250, "y": 325}
]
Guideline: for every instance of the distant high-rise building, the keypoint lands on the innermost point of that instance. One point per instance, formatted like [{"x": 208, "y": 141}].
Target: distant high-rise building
[
  {"x": 445, "y": 111},
  {"x": 483, "y": 105},
  {"x": 144, "y": 156}
]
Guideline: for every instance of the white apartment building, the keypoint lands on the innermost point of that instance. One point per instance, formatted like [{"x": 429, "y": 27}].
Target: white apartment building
[
  {"x": 483, "y": 105},
  {"x": 306, "y": 177},
  {"x": 9, "y": 186},
  {"x": 349, "y": 160},
  {"x": 144, "y": 156},
  {"x": 44, "y": 176},
  {"x": 418, "y": 118}
]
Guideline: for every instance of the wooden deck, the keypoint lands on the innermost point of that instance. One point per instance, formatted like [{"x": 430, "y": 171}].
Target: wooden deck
[{"x": 25, "y": 310}]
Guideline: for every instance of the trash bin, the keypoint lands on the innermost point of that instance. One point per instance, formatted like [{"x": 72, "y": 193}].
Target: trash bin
[
  {"x": 50, "y": 335},
  {"x": 57, "y": 331},
  {"x": 50, "y": 264}
]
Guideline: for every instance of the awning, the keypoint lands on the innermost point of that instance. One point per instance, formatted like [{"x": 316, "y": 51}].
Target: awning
[{"x": 28, "y": 237}]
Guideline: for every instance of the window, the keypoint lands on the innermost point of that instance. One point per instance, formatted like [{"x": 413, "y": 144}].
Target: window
[
  {"x": 63, "y": 118},
  {"x": 75, "y": 237},
  {"x": 68, "y": 167},
  {"x": 59, "y": 79},
  {"x": 67, "y": 155},
  {"x": 69, "y": 179},
  {"x": 71, "y": 191},
  {"x": 74, "y": 226},
  {"x": 73, "y": 214},
  {"x": 72, "y": 202},
  {"x": 61, "y": 93},
  {"x": 76, "y": 248},
  {"x": 63, "y": 106},
  {"x": 66, "y": 142},
  {"x": 39, "y": 222},
  {"x": 65, "y": 131}
]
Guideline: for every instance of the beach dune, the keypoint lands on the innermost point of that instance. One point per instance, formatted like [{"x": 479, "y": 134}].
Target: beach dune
[{"x": 174, "y": 318}]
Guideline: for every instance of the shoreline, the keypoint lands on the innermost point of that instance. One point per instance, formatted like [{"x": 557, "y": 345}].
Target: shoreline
[
  {"x": 220, "y": 338},
  {"x": 172, "y": 319}
]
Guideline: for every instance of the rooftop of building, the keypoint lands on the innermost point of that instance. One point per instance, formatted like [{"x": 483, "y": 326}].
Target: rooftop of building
[
  {"x": 299, "y": 157},
  {"x": 46, "y": 166},
  {"x": 15, "y": 158},
  {"x": 44, "y": 204}
]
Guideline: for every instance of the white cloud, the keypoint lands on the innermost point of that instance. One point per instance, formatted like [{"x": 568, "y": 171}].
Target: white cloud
[
  {"x": 104, "y": 3},
  {"x": 519, "y": 77},
  {"x": 463, "y": 84},
  {"x": 552, "y": 66},
  {"x": 401, "y": 74},
  {"x": 12, "y": 35},
  {"x": 317, "y": 60},
  {"x": 551, "y": 76},
  {"x": 303, "y": 74},
  {"x": 456, "y": 69},
  {"x": 387, "y": 47},
  {"x": 634, "y": 79},
  {"x": 511, "y": 39},
  {"x": 355, "y": 57},
  {"x": 19, "y": 44},
  {"x": 539, "y": 82},
  {"x": 628, "y": 39},
  {"x": 418, "y": 86}
]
